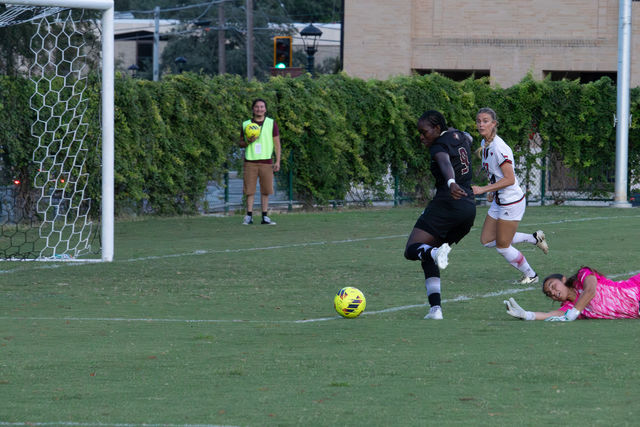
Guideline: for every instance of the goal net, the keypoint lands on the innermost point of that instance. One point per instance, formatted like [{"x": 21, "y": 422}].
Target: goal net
[{"x": 50, "y": 215}]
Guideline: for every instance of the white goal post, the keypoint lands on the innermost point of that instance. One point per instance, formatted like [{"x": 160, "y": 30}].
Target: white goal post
[{"x": 106, "y": 7}]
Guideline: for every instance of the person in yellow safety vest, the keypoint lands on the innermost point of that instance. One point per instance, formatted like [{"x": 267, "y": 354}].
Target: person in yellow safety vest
[{"x": 258, "y": 162}]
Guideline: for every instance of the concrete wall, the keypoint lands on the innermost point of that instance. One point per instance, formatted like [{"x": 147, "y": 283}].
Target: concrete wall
[{"x": 507, "y": 37}]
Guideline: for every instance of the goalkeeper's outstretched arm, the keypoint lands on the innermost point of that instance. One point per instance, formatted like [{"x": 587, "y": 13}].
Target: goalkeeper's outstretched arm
[{"x": 514, "y": 309}]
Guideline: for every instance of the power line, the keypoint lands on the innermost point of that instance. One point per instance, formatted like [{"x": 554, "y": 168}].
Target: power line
[{"x": 174, "y": 9}]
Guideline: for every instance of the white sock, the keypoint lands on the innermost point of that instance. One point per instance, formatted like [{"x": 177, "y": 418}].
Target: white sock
[
  {"x": 516, "y": 259},
  {"x": 523, "y": 237},
  {"x": 433, "y": 285},
  {"x": 517, "y": 238}
]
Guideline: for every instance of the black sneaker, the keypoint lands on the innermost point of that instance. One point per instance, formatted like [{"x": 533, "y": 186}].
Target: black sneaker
[{"x": 266, "y": 220}]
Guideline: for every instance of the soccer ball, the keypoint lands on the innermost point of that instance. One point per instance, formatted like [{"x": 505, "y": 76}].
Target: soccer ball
[
  {"x": 349, "y": 302},
  {"x": 252, "y": 130}
]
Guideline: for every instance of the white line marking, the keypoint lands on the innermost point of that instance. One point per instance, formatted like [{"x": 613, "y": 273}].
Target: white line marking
[
  {"x": 335, "y": 242},
  {"x": 596, "y": 218},
  {"x": 288, "y": 246},
  {"x": 407, "y": 307},
  {"x": 320, "y": 319},
  {"x": 78, "y": 424},
  {"x": 202, "y": 252},
  {"x": 265, "y": 248}
]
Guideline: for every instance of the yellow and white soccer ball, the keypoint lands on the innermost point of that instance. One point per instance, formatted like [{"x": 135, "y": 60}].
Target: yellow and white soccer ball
[
  {"x": 349, "y": 302},
  {"x": 252, "y": 130}
]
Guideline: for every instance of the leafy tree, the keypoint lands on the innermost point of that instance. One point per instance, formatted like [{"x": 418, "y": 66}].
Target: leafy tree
[
  {"x": 296, "y": 10},
  {"x": 15, "y": 41},
  {"x": 12, "y": 46},
  {"x": 313, "y": 11},
  {"x": 199, "y": 44},
  {"x": 197, "y": 38}
]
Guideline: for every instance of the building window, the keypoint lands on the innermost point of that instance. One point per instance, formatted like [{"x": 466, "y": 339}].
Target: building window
[
  {"x": 583, "y": 76},
  {"x": 145, "y": 52},
  {"x": 457, "y": 75}
]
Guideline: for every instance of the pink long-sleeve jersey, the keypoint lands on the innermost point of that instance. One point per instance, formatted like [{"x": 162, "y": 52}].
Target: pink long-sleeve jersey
[{"x": 613, "y": 300}]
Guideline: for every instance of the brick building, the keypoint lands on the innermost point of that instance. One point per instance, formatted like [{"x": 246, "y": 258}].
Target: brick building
[{"x": 503, "y": 39}]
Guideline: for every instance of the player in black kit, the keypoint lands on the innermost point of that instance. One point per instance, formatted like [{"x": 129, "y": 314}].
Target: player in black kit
[{"x": 450, "y": 215}]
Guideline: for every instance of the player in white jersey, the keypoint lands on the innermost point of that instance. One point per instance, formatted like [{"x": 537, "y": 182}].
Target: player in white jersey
[
  {"x": 494, "y": 155},
  {"x": 508, "y": 202}
]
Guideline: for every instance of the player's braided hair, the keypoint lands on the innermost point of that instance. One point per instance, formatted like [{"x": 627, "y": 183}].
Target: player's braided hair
[{"x": 434, "y": 118}]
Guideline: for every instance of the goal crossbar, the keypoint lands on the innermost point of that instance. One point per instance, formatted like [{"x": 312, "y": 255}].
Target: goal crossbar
[
  {"x": 107, "y": 106},
  {"x": 82, "y": 4}
]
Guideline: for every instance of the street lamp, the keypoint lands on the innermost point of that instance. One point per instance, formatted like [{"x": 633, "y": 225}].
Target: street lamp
[
  {"x": 134, "y": 70},
  {"x": 310, "y": 36},
  {"x": 202, "y": 23},
  {"x": 180, "y": 61}
]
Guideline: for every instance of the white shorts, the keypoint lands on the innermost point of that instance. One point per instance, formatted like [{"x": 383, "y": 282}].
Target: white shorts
[{"x": 513, "y": 212}]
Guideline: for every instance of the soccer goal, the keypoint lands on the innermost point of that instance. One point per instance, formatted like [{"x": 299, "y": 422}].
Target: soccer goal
[{"x": 52, "y": 216}]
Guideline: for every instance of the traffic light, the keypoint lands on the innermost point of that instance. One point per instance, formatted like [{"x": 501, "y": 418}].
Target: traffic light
[{"x": 282, "y": 51}]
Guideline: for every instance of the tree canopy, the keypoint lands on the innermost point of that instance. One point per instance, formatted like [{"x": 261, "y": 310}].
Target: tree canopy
[
  {"x": 296, "y": 10},
  {"x": 199, "y": 43},
  {"x": 197, "y": 38}
]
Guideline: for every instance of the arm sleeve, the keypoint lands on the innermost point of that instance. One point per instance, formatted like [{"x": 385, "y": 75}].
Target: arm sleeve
[
  {"x": 583, "y": 273},
  {"x": 276, "y": 129},
  {"x": 567, "y": 306}
]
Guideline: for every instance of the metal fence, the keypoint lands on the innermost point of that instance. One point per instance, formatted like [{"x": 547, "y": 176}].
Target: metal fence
[{"x": 542, "y": 174}]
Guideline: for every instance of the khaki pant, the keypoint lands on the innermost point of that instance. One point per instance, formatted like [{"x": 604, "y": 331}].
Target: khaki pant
[{"x": 253, "y": 172}]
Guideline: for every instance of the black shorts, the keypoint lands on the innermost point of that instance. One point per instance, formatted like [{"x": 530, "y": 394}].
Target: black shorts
[{"x": 449, "y": 220}]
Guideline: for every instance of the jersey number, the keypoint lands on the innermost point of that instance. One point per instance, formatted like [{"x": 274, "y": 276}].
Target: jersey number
[{"x": 464, "y": 159}]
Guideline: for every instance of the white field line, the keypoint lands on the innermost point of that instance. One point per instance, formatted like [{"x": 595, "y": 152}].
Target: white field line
[
  {"x": 78, "y": 424},
  {"x": 407, "y": 307},
  {"x": 319, "y": 319},
  {"x": 335, "y": 242},
  {"x": 595, "y": 218},
  {"x": 201, "y": 252},
  {"x": 288, "y": 246}
]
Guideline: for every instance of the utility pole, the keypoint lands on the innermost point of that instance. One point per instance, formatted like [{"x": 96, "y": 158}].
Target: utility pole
[
  {"x": 156, "y": 44},
  {"x": 249, "y": 39},
  {"x": 222, "y": 66},
  {"x": 622, "y": 105},
  {"x": 342, "y": 38}
]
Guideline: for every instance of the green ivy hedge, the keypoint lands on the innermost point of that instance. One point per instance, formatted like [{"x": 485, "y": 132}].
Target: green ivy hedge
[{"x": 174, "y": 135}]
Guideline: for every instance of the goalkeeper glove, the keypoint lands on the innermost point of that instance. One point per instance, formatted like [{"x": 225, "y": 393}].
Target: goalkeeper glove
[
  {"x": 571, "y": 315},
  {"x": 516, "y": 311}
]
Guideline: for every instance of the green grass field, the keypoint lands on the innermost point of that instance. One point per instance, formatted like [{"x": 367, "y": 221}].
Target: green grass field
[{"x": 203, "y": 321}]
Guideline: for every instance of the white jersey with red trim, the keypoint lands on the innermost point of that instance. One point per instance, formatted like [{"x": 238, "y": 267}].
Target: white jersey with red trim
[{"x": 493, "y": 156}]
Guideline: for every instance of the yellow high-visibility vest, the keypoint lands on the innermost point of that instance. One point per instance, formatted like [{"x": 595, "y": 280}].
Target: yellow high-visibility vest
[{"x": 261, "y": 148}]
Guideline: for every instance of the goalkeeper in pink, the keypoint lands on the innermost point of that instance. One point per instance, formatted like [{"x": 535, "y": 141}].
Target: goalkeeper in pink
[{"x": 586, "y": 295}]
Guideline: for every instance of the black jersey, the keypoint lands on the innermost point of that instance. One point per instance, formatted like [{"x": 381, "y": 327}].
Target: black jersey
[{"x": 457, "y": 145}]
